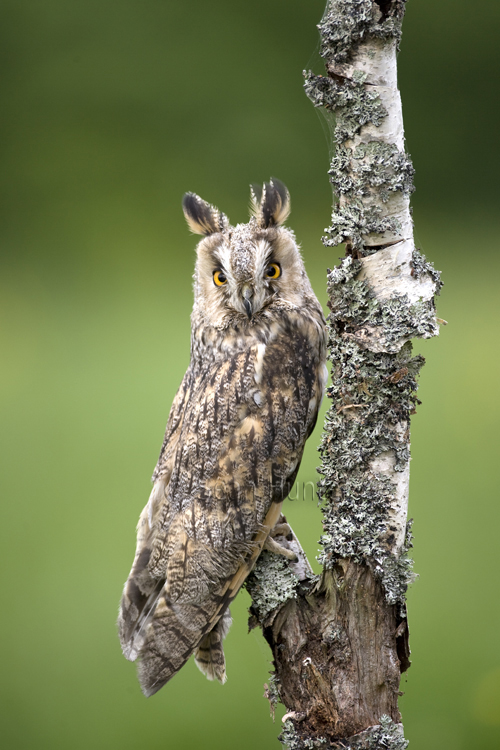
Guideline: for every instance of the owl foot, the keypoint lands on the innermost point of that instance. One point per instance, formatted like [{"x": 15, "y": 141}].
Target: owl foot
[
  {"x": 281, "y": 529},
  {"x": 273, "y": 546}
]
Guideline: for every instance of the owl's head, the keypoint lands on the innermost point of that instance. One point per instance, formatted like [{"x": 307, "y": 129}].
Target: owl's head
[{"x": 244, "y": 272}]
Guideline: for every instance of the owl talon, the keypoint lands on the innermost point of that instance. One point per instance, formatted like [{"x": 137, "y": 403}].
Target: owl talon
[
  {"x": 278, "y": 549},
  {"x": 281, "y": 529}
]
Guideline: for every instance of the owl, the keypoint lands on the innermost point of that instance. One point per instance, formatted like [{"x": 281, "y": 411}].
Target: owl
[{"x": 234, "y": 438}]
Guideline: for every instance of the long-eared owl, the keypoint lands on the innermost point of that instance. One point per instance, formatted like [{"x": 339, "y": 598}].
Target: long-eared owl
[{"x": 234, "y": 438}]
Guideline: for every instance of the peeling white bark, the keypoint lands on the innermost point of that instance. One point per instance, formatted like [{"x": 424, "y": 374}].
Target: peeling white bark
[
  {"x": 389, "y": 273},
  {"x": 376, "y": 58}
]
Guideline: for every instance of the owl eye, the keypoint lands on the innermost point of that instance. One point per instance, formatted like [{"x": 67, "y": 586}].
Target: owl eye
[
  {"x": 273, "y": 271},
  {"x": 220, "y": 278}
]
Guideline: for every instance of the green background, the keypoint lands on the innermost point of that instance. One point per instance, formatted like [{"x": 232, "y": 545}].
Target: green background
[{"x": 110, "y": 112}]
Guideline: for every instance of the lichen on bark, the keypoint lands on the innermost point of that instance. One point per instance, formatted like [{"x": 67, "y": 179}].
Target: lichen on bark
[
  {"x": 346, "y": 23},
  {"x": 384, "y": 736},
  {"x": 340, "y": 641},
  {"x": 353, "y": 105},
  {"x": 352, "y": 222},
  {"x": 356, "y": 172},
  {"x": 271, "y": 584}
]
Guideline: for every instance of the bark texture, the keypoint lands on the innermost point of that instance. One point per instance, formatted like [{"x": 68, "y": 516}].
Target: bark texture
[{"x": 340, "y": 641}]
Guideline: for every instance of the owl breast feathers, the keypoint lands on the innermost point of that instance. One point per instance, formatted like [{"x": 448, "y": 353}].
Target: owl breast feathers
[{"x": 234, "y": 438}]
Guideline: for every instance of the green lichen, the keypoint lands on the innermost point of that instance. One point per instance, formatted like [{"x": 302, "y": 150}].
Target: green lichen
[
  {"x": 401, "y": 320},
  {"x": 353, "y": 104},
  {"x": 356, "y": 523},
  {"x": 397, "y": 572},
  {"x": 373, "y": 170},
  {"x": 373, "y": 394},
  {"x": 270, "y": 584},
  {"x": 353, "y": 306},
  {"x": 371, "y": 167},
  {"x": 272, "y": 691},
  {"x": 290, "y": 739},
  {"x": 350, "y": 223},
  {"x": 346, "y": 23},
  {"x": 421, "y": 266},
  {"x": 387, "y": 735},
  {"x": 384, "y": 736}
]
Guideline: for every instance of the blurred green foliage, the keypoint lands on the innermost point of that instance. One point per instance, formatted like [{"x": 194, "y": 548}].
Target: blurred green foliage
[{"x": 111, "y": 110}]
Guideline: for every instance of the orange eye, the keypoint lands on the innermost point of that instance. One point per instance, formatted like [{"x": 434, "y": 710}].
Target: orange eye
[
  {"x": 273, "y": 271},
  {"x": 219, "y": 278}
]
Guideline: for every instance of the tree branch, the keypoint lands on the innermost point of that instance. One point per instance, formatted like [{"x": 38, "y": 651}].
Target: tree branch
[{"x": 340, "y": 641}]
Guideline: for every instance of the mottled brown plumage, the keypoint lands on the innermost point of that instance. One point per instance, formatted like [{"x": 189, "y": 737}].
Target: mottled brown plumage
[{"x": 234, "y": 438}]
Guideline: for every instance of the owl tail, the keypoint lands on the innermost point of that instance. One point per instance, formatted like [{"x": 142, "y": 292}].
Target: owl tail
[
  {"x": 176, "y": 627},
  {"x": 138, "y": 604},
  {"x": 209, "y": 656},
  {"x": 142, "y": 590}
]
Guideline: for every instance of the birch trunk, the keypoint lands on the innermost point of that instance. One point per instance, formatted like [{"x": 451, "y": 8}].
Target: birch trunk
[{"x": 340, "y": 641}]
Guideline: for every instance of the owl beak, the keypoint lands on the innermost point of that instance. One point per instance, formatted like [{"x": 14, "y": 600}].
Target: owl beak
[{"x": 247, "y": 294}]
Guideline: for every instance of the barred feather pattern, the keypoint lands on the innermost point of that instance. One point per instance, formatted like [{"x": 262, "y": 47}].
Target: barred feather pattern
[
  {"x": 209, "y": 656},
  {"x": 232, "y": 448}
]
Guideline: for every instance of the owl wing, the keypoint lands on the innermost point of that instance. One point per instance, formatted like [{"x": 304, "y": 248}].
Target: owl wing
[
  {"x": 217, "y": 494},
  {"x": 142, "y": 589}
]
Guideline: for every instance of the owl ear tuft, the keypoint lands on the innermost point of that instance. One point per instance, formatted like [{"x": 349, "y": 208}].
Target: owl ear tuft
[
  {"x": 270, "y": 204},
  {"x": 202, "y": 218}
]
